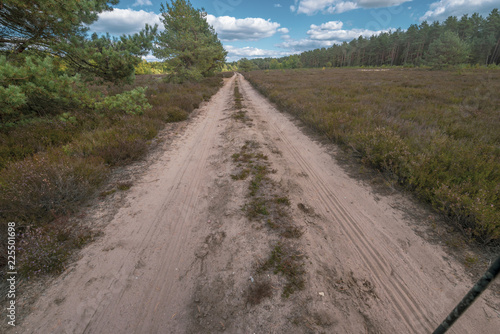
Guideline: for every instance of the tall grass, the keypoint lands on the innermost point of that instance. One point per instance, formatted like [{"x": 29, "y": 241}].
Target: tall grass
[
  {"x": 51, "y": 165},
  {"x": 436, "y": 132}
]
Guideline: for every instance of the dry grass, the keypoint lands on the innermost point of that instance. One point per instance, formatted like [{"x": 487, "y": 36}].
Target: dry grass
[{"x": 436, "y": 132}]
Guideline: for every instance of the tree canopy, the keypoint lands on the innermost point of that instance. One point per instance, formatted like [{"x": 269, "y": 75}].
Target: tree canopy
[
  {"x": 44, "y": 23},
  {"x": 188, "y": 43},
  {"x": 59, "y": 28}
]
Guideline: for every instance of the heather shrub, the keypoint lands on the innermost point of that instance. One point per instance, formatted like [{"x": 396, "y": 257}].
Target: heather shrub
[
  {"x": 121, "y": 151},
  {"x": 39, "y": 188},
  {"x": 176, "y": 114},
  {"x": 25, "y": 140},
  {"x": 45, "y": 249},
  {"x": 436, "y": 132}
]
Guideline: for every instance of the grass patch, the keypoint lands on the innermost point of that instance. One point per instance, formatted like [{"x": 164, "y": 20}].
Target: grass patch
[
  {"x": 124, "y": 186},
  {"x": 434, "y": 132},
  {"x": 286, "y": 260},
  {"x": 283, "y": 201},
  {"x": 237, "y": 97},
  {"x": 263, "y": 203},
  {"x": 241, "y": 175}
]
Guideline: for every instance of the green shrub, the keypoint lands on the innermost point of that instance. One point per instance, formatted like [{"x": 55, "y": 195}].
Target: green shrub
[
  {"x": 133, "y": 102},
  {"x": 176, "y": 114}
]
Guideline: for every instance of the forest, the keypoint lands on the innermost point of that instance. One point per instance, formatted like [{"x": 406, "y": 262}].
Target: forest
[{"x": 473, "y": 40}]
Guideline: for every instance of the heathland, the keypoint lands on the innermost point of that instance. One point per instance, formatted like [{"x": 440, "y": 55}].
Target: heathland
[{"x": 436, "y": 133}]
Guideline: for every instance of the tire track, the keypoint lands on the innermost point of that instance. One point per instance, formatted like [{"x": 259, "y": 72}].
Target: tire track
[
  {"x": 407, "y": 307},
  {"x": 187, "y": 178}
]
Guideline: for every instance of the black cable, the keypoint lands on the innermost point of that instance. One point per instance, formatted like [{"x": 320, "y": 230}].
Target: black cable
[{"x": 470, "y": 297}]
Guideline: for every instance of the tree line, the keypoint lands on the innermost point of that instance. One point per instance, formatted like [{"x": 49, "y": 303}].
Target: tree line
[{"x": 468, "y": 40}]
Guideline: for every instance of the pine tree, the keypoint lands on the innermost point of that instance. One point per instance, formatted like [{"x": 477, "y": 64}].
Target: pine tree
[
  {"x": 446, "y": 50},
  {"x": 188, "y": 43},
  {"x": 59, "y": 28},
  {"x": 43, "y": 23}
]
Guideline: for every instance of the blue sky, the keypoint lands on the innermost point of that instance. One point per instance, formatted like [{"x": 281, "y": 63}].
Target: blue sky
[{"x": 276, "y": 28}]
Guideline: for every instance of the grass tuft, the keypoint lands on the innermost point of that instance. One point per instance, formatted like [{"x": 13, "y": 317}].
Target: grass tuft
[{"x": 285, "y": 259}]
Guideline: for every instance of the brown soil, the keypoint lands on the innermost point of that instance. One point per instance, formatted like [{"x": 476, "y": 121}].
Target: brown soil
[{"x": 180, "y": 256}]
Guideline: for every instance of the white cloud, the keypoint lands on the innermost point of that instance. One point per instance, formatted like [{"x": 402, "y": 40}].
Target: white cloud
[
  {"x": 311, "y": 7},
  {"x": 326, "y": 35},
  {"x": 248, "y": 29},
  {"x": 442, "y": 9},
  {"x": 284, "y": 30},
  {"x": 342, "y": 7},
  {"x": 235, "y": 53},
  {"x": 124, "y": 21},
  {"x": 305, "y": 44},
  {"x": 332, "y": 31},
  {"x": 332, "y": 25},
  {"x": 142, "y": 3},
  {"x": 277, "y": 5},
  {"x": 150, "y": 58}
]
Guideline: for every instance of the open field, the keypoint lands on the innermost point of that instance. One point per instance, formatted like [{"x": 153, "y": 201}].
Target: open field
[{"x": 437, "y": 133}]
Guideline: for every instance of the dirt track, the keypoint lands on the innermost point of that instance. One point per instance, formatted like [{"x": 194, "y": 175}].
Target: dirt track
[{"x": 178, "y": 257}]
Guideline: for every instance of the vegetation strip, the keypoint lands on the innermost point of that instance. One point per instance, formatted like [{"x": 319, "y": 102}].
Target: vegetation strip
[
  {"x": 435, "y": 132},
  {"x": 266, "y": 204},
  {"x": 240, "y": 114}
]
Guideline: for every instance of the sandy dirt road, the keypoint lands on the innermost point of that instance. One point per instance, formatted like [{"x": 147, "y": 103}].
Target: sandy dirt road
[{"x": 180, "y": 255}]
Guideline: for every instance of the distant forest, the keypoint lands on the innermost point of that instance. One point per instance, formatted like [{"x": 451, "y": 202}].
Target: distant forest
[{"x": 468, "y": 40}]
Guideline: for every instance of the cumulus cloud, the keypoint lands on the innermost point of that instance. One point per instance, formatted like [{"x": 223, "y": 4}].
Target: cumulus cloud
[
  {"x": 142, "y": 3},
  {"x": 326, "y": 35},
  {"x": 124, "y": 21},
  {"x": 305, "y": 44},
  {"x": 333, "y": 31},
  {"x": 150, "y": 58},
  {"x": 235, "y": 53},
  {"x": 284, "y": 30},
  {"x": 311, "y": 7},
  {"x": 442, "y": 9},
  {"x": 248, "y": 29}
]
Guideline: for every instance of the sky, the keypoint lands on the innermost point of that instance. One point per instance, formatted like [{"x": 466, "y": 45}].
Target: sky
[{"x": 277, "y": 28}]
